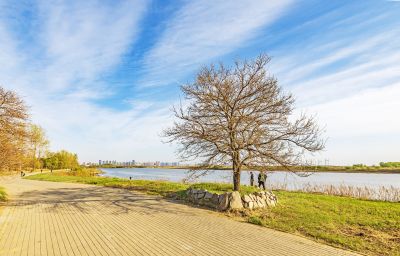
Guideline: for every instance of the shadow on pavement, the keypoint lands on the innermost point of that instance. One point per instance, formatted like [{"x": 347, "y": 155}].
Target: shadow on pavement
[{"x": 100, "y": 200}]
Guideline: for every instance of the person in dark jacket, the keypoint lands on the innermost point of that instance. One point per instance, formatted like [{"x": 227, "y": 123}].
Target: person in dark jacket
[
  {"x": 251, "y": 179},
  {"x": 261, "y": 179}
]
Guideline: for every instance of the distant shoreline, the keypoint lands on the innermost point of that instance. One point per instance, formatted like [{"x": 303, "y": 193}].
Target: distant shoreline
[{"x": 331, "y": 169}]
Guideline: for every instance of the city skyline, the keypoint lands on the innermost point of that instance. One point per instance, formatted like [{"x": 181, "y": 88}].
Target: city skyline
[{"x": 132, "y": 163}]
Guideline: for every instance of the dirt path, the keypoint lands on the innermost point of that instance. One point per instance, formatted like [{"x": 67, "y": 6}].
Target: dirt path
[{"x": 49, "y": 218}]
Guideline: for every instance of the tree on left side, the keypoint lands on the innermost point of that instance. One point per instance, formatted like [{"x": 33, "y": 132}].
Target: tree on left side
[{"x": 13, "y": 122}]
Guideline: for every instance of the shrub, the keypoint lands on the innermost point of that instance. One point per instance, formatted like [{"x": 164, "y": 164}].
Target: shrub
[{"x": 390, "y": 164}]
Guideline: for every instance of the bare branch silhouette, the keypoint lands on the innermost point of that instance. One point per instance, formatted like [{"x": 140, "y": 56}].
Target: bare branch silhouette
[{"x": 240, "y": 116}]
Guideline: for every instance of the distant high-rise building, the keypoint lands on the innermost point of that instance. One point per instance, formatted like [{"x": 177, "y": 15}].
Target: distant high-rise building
[{"x": 99, "y": 162}]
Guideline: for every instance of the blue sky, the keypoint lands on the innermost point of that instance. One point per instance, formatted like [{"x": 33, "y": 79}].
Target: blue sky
[{"x": 101, "y": 76}]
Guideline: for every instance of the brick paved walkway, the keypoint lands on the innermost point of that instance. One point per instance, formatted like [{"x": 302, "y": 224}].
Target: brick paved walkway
[{"x": 46, "y": 218}]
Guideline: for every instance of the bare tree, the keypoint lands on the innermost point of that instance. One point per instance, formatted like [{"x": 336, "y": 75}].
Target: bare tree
[
  {"x": 240, "y": 116},
  {"x": 13, "y": 118}
]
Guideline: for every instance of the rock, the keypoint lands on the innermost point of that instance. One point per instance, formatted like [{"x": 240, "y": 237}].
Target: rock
[
  {"x": 235, "y": 201},
  {"x": 223, "y": 201},
  {"x": 246, "y": 198},
  {"x": 263, "y": 196},
  {"x": 200, "y": 195},
  {"x": 270, "y": 203},
  {"x": 208, "y": 196},
  {"x": 214, "y": 199},
  {"x": 231, "y": 200},
  {"x": 209, "y": 204},
  {"x": 262, "y": 203},
  {"x": 255, "y": 205},
  {"x": 194, "y": 191}
]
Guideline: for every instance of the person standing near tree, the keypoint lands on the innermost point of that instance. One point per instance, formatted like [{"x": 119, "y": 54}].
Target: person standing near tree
[
  {"x": 261, "y": 179},
  {"x": 251, "y": 179}
]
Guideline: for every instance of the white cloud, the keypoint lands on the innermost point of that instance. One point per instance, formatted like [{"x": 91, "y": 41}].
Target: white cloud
[
  {"x": 352, "y": 86},
  {"x": 77, "y": 42},
  {"x": 204, "y": 30},
  {"x": 369, "y": 113},
  {"x": 364, "y": 53},
  {"x": 84, "y": 39},
  {"x": 363, "y": 128},
  {"x": 100, "y": 133}
]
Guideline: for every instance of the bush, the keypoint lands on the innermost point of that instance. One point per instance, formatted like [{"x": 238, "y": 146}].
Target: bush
[
  {"x": 355, "y": 166},
  {"x": 3, "y": 195},
  {"x": 390, "y": 164}
]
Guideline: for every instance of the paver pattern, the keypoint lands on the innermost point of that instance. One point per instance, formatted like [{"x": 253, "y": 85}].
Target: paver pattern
[{"x": 49, "y": 218}]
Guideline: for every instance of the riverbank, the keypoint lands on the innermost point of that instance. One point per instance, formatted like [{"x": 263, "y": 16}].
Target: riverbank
[
  {"x": 311, "y": 169},
  {"x": 368, "y": 227},
  {"x": 384, "y": 187}
]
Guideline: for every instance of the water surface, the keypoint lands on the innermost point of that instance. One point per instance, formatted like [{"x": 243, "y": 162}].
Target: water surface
[{"x": 290, "y": 180}]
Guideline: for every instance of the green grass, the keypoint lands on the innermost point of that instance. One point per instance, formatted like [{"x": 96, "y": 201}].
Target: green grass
[
  {"x": 151, "y": 187},
  {"x": 220, "y": 188},
  {"x": 3, "y": 195},
  {"x": 369, "y": 227}
]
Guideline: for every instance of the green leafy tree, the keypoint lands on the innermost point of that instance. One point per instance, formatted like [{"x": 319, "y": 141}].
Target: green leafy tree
[
  {"x": 51, "y": 161},
  {"x": 38, "y": 143},
  {"x": 61, "y": 160}
]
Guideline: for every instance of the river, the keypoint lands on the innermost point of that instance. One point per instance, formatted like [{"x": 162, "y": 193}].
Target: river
[{"x": 275, "y": 179}]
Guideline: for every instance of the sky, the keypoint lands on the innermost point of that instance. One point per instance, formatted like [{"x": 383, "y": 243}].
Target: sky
[{"x": 101, "y": 76}]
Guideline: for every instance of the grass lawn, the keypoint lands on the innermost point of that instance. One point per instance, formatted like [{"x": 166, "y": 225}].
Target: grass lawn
[
  {"x": 369, "y": 227},
  {"x": 3, "y": 195}
]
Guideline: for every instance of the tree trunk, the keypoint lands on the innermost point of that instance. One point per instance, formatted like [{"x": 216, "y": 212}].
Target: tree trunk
[
  {"x": 236, "y": 172},
  {"x": 236, "y": 180},
  {"x": 34, "y": 159}
]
